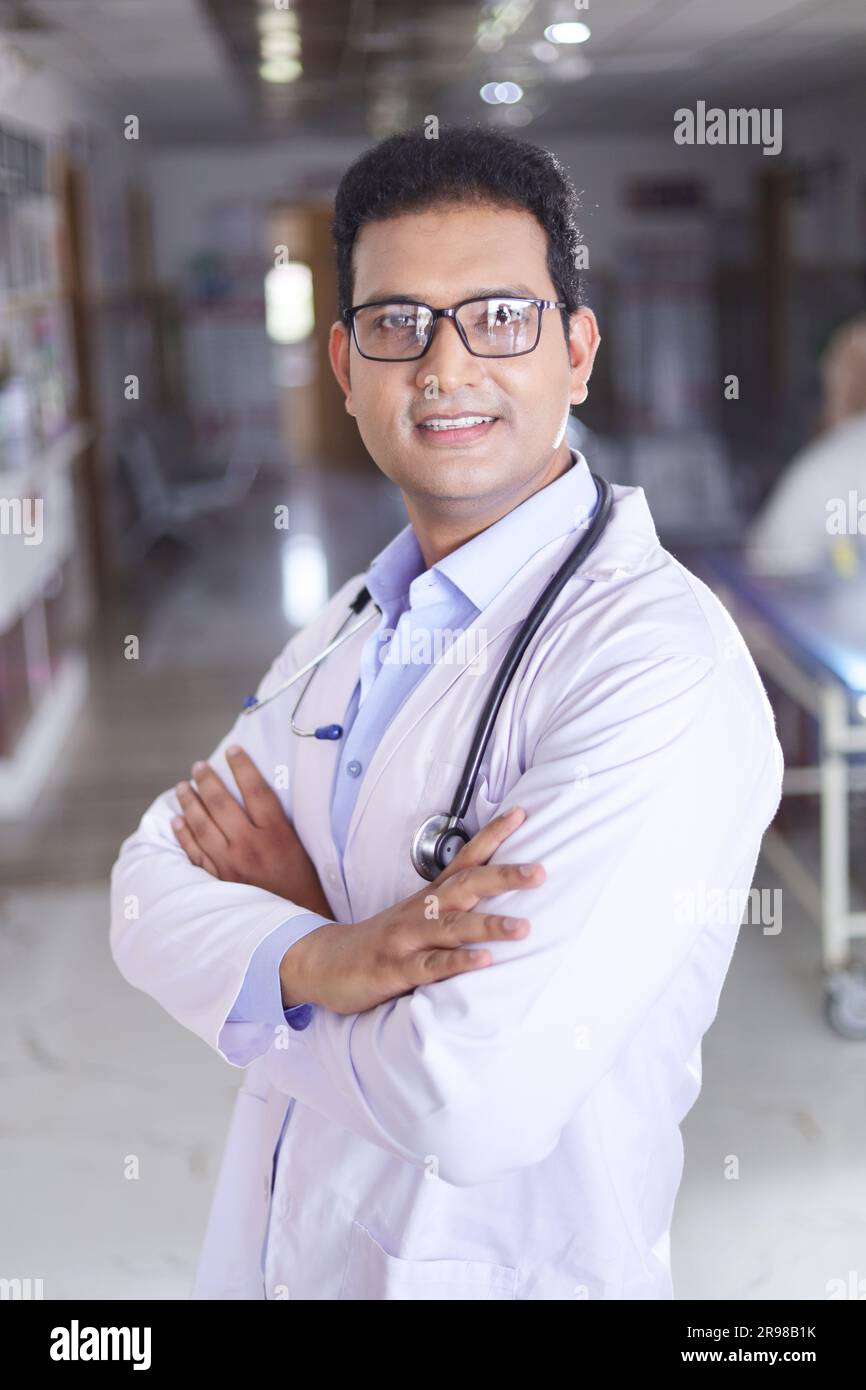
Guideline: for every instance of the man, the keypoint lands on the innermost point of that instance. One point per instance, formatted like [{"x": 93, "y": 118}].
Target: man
[
  {"x": 479, "y": 1109},
  {"x": 814, "y": 520}
]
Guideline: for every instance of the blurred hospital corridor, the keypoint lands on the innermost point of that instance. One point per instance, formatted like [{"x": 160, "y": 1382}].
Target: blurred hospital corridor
[{"x": 235, "y": 276}]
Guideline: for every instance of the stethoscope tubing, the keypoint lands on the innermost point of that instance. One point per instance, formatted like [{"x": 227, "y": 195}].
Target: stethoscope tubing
[
  {"x": 493, "y": 702},
  {"x": 523, "y": 637},
  {"x": 253, "y": 704}
]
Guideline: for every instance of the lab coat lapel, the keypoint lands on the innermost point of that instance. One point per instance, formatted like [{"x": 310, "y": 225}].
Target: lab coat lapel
[
  {"x": 507, "y": 610},
  {"x": 315, "y": 759}
]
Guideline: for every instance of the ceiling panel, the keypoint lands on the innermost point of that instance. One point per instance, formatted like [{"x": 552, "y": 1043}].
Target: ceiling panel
[{"x": 373, "y": 65}]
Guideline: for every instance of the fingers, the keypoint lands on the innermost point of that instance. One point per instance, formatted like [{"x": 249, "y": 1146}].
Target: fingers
[
  {"x": 445, "y": 960},
  {"x": 452, "y": 954},
  {"x": 205, "y": 830},
  {"x": 464, "y": 889},
  {"x": 194, "y": 852},
  {"x": 262, "y": 803},
  {"x": 456, "y": 927},
  {"x": 218, "y": 802},
  {"x": 442, "y": 965},
  {"x": 479, "y": 849}
]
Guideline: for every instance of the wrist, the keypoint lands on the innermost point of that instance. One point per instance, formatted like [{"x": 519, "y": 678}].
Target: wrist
[{"x": 297, "y": 972}]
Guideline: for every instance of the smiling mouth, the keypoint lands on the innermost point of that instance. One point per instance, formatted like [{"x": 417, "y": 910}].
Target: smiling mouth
[
  {"x": 439, "y": 423},
  {"x": 455, "y": 431}
]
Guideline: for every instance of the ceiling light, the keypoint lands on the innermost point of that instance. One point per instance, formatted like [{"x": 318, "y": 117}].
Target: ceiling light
[
  {"x": 545, "y": 52},
  {"x": 280, "y": 70},
  {"x": 277, "y": 22},
  {"x": 569, "y": 32},
  {"x": 495, "y": 93},
  {"x": 516, "y": 116},
  {"x": 276, "y": 45}
]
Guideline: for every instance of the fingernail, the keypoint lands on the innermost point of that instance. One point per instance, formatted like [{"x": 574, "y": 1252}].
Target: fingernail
[
  {"x": 512, "y": 923},
  {"x": 182, "y": 787},
  {"x": 235, "y": 748},
  {"x": 177, "y": 823},
  {"x": 528, "y": 870},
  {"x": 198, "y": 768},
  {"x": 516, "y": 811}
]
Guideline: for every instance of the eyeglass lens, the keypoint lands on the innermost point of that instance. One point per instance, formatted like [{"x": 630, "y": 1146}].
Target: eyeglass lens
[{"x": 493, "y": 327}]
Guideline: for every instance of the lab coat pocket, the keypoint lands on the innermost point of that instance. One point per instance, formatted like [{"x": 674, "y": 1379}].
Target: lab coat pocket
[
  {"x": 481, "y": 809},
  {"x": 372, "y": 1274}
]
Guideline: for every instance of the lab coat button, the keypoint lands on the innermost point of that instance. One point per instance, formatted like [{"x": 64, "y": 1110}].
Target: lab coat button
[{"x": 353, "y": 768}]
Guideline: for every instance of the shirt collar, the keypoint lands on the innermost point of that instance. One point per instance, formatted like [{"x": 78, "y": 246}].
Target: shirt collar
[{"x": 482, "y": 566}]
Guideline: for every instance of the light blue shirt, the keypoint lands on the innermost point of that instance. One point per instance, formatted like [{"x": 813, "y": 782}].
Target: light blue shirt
[{"x": 415, "y": 602}]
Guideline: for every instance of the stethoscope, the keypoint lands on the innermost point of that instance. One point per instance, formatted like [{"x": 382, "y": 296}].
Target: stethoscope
[{"x": 442, "y": 835}]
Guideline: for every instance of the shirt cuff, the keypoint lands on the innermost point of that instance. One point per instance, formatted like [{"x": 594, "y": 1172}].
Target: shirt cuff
[{"x": 260, "y": 999}]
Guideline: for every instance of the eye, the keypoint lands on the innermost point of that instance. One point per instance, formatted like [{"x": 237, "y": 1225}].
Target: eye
[{"x": 394, "y": 320}]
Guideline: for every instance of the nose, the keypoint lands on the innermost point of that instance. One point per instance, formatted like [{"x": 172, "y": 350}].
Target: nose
[{"x": 448, "y": 360}]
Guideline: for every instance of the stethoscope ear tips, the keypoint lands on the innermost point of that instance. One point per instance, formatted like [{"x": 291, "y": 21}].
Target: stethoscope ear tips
[{"x": 332, "y": 731}]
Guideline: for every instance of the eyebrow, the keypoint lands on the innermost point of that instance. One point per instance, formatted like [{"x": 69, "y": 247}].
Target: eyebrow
[{"x": 398, "y": 297}]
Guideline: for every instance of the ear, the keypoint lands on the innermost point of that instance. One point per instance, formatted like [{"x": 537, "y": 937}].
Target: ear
[
  {"x": 338, "y": 353},
  {"x": 583, "y": 341}
]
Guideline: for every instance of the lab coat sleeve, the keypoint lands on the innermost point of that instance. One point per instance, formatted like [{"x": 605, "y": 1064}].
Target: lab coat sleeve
[
  {"x": 260, "y": 999},
  {"x": 183, "y": 936},
  {"x": 653, "y": 778}
]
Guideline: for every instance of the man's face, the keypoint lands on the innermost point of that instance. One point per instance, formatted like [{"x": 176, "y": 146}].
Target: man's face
[{"x": 442, "y": 256}]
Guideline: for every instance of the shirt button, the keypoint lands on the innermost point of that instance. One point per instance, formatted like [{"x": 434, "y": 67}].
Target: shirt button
[{"x": 353, "y": 768}]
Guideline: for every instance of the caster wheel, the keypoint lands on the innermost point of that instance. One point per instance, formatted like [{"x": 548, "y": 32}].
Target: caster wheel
[{"x": 845, "y": 1004}]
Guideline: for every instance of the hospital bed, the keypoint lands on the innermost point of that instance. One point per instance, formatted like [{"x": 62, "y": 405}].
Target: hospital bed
[{"x": 808, "y": 635}]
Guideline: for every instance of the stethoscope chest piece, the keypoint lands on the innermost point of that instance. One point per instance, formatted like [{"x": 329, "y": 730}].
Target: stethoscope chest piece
[{"x": 435, "y": 844}]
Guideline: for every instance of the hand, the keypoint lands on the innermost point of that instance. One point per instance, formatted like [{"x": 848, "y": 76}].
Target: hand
[
  {"x": 254, "y": 843},
  {"x": 352, "y": 967}
]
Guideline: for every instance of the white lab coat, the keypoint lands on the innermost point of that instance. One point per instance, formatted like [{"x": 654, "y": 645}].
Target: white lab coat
[{"x": 512, "y": 1133}]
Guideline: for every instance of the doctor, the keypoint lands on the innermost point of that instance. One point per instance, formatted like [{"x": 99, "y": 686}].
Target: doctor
[{"x": 415, "y": 1121}]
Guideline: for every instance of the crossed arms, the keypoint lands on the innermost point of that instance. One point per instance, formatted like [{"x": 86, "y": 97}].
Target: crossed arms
[{"x": 650, "y": 779}]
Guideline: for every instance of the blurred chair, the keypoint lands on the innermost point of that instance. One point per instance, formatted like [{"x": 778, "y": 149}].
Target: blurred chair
[{"x": 162, "y": 501}]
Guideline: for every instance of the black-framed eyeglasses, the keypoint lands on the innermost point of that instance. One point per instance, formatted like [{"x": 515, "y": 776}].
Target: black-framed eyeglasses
[{"x": 388, "y": 330}]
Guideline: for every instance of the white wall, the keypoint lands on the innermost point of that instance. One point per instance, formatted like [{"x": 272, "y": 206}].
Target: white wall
[{"x": 187, "y": 179}]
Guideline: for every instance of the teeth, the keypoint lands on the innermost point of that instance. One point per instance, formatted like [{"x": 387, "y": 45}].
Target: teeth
[{"x": 462, "y": 423}]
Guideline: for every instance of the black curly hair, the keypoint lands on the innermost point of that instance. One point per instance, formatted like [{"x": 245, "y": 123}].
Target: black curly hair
[{"x": 408, "y": 172}]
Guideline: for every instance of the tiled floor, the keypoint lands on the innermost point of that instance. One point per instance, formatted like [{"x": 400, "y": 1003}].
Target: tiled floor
[{"x": 114, "y": 1116}]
